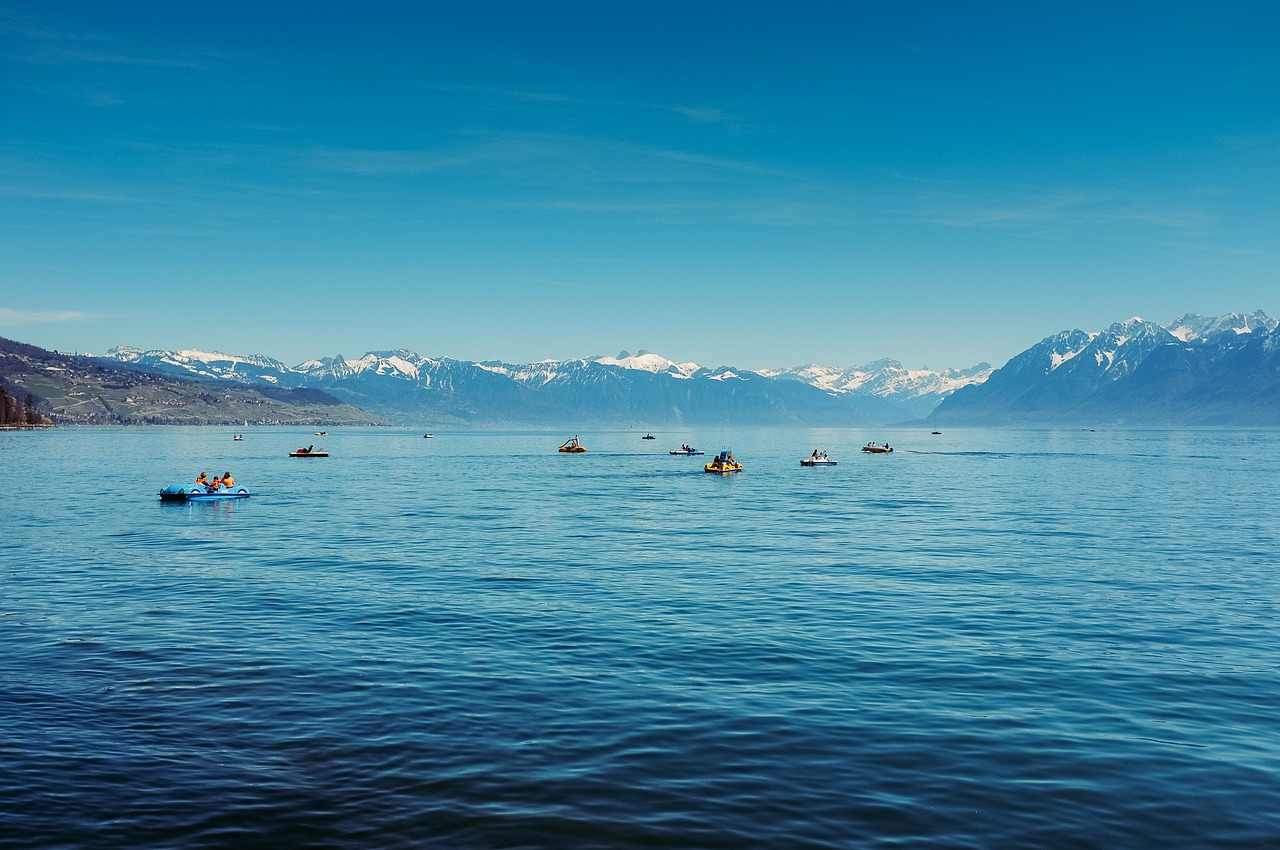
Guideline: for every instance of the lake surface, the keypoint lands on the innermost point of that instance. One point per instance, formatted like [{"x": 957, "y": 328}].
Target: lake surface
[{"x": 984, "y": 639}]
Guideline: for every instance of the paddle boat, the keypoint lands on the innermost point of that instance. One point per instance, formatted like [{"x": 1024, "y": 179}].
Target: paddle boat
[
  {"x": 723, "y": 462},
  {"x": 199, "y": 493},
  {"x": 572, "y": 446},
  {"x": 322, "y": 433},
  {"x": 428, "y": 436},
  {"x": 877, "y": 450},
  {"x": 238, "y": 437},
  {"x": 687, "y": 450},
  {"x": 818, "y": 459},
  {"x": 309, "y": 451}
]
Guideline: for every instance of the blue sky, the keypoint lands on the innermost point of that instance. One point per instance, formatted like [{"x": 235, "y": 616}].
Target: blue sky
[{"x": 747, "y": 184}]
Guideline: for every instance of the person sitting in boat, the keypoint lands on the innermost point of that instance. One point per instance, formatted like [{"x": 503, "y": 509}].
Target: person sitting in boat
[
  {"x": 203, "y": 480},
  {"x": 228, "y": 481},
  {"x": 215, "y": 485},
  {"x": 814, "y": 456}
]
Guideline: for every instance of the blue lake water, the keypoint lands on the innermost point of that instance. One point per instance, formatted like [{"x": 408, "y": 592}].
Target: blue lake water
[{"x": 985, "y": 639}]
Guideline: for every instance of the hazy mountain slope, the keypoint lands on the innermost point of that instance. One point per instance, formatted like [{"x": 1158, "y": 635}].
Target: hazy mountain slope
[{"x": 85, "y": 390}]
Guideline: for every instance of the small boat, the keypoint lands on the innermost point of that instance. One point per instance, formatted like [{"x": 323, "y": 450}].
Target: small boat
[
  {"x": 723, "y": 462},
  {"x": 309, "y": 451},
  {"x": 322, "y": 433},
  {"x": 687, "y": 450},
  {"x": 818, "y": 459},
  {"x": 572, "y": 446},
  {"x": 648, "y": 437},
  {"x": 238, "y": 437},
  {"x": 428, "y": 436},
  {"x": 197, "y": 493},
  {"x": 877, "y": 450},
  {"x": 936, "y": 433}
]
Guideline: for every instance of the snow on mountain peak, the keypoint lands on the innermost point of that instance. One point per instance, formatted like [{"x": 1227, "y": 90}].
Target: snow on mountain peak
[
  {"x": 648, "y": 362},
  {"x": 1193, "y": 327}
]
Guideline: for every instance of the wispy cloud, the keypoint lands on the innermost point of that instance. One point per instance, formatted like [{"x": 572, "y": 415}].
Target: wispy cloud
[
  {"x": 389, "y": 162},
  {"x": 1036, "y": 208},
  {"x": 43, "y": 45},
  {"x": 79, "y": 56},
  {"x": 39, "y": 317},
  {"x": 698, "y": 114}
]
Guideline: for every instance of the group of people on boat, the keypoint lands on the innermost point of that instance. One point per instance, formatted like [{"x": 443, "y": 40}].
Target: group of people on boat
[
  {"x": 223, "y": 481},
  {"x": 818, "y": 455},
  {"x": 723, "y": 462},
  {"x": 307, "y": 450}
]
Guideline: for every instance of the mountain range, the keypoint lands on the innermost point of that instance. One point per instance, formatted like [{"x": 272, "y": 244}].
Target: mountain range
[
  {"x": 1193, "y": 371},
  {"x": 644, "y": 388},
  {"x": 1222, "y": 371}
]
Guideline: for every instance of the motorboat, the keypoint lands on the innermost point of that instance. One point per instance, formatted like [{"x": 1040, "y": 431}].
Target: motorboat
[
  {"x": 687, "y": 450},
  {"x": 572, "y": 446},
  {"x": 199, "y": 493},
  {"x": 723, "y": 462},
  {"x": 818, "y": 459},
  {"x": 877, "y": 449}
]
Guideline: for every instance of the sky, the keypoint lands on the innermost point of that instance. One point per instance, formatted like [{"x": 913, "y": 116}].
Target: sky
[{"x": 759, "y": 185}]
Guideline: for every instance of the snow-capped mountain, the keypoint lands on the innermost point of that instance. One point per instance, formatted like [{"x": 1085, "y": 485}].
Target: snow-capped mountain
[
  {"x": 1196, "y": 370},
  {"x": 919, "y": 389},
  {"x": 1193, "y": 370},
  {"x": 1193, "y": 327},
  {"x": 645, "y": 386},
  {"x": 648, "y": 362},
  {"x": 214, "y": 365}
]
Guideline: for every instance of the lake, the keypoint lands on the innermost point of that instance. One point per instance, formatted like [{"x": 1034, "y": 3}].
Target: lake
[{"x": 988, "y": 638}]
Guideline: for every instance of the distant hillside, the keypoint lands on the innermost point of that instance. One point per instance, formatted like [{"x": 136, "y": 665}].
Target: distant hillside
[
  {"x": 81, "y": 390},
  {"x": 1222, "y": 371}
]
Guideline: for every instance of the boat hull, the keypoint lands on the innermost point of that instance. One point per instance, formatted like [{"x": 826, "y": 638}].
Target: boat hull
[
  {"x": 808, "y": 462},
  {"x": 308, "y": 454},
  {"x": 687, "y": 454}
]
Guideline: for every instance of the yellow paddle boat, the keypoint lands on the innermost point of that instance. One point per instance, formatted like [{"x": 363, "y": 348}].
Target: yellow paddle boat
[
  {"x": 723, "y": 462},
  {"x": 573, "y": 446}
]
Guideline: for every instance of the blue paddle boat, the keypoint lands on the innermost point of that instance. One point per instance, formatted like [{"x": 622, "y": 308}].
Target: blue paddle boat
[{"x": 197, "y": 493}]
